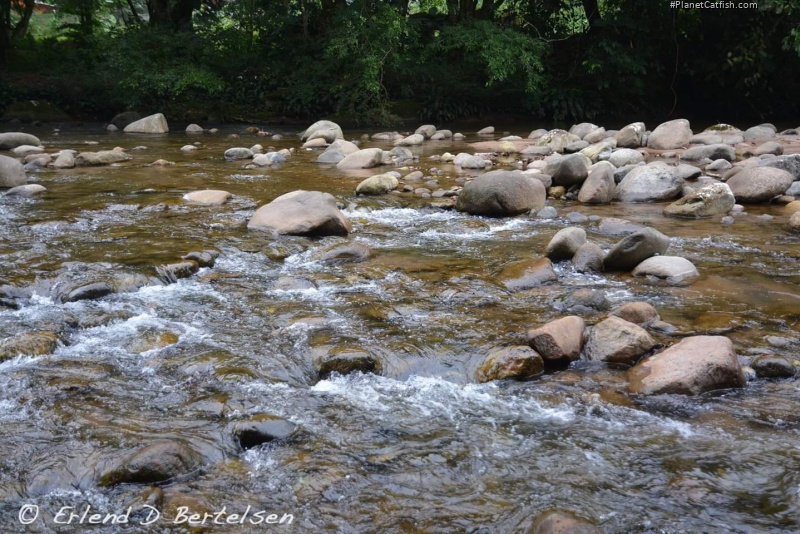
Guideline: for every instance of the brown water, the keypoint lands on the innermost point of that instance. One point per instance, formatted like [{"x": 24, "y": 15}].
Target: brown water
[{"x": 421, "y": 448}]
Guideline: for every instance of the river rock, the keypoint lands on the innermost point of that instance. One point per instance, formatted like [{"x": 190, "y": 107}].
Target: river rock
[
  {"x": 387, "y": 136},
  {"x": 331, "y": 157},
  {"x": 489, "y": 130},
  {"x": 670, "y": 135},
  {"x": 616, "y": 340},
  {"x": 379, "y": 184},
  {"x": 501, "y": 194},
  {"x": 714, "y": 199},
  {"x": 557, "y": 139},
  {"x": 754, "y": 185},
  {"x": 65, "y": 160},
  {"x": 583, "y": 300},
  {"x": 769, "y": 148},
  {"x": 260, "y": 429},
  {"x": 599, "y": 187},
  {"x": 344, "y": 253},
  {"x": 362, "y": 159},
  {"x": 558, "y": 341},
  {"x": 640, "y": 313},
  {"x": 631, "y": 135},
  {"x": 326, "y": 130},
  {"x": 426, "y": 131},
  {"x": 565, "y": 243},
  {"x": 773, "y": 366},
  {"x": 441, "y": 135},
  {"x": 104, "y": 157},
  {"x": 468, "y": 161},
  {"x": 345, "y": 147},
  {"x": 719, "y": 165},
  {"x": 758, "y": 132},
  {"x": 315, "y": 143},
  {"x": 28, "y": 344},
  {"x": 11, "y": 172},
  {"x": 527, "y": 274},
  {"x": 588, "y": 258},
  {"x": 649, "y": 183},
  {"x": 568, "y": 170},
  {"x": 12, "y": 140},
  {"x": 790, "y": 164},
  {"x": 575, "y": 146},
  {"x": 26, "y": 191},
  {"x": 558, "y": 522},
  {"x": 158, "y": 462},
  {"x": 715, "y": 151},
  {"x": 599, "y": 151},
  {"x": 238, "y": 153},
  {"x": 583, "y": 129},
  {"x": 597, "y": 135},
  {"x": 194, "y": 129},
  {"x": 693, "y": 366},
  {"x": 345, "y": 360},
  {"x": 208, "y": 197},
  {"x": 411, "y": 140},
  {"x": 400, "y": 155},
  {"x": 203, "y": 258},
  {"x": 154, "y": 124},
  {"x": 635, "y": 248},
  {"x": 794, "y": 222},
  {"x": 519, "y": 362},
  {"x": 618, "y": 227},
  {"x": 172, "y": 272},
  {"x": 27, "y": 150},
  {"x": 625, "y": 156},
  {"x": 310, "y": 213}
]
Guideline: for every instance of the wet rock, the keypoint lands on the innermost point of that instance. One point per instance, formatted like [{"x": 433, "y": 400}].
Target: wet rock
[
  {"x": 565, "y": 244},
  {"x": 558, "y": 522},
  {"x": 331, "y": 157},
  {"x": 204, "y": 258},
  {"x": 640, "y": 313},
  {"x": 718, "y": 165},
  {"x": 584, "y": 300},
  {"x": 270, "y": 158},
  {"x": 468, "y": 161},
  {"x": 501, "y": 194},
  {"x": 91, "y": 291},
  {"x": 362, "y": 159},
  {"x": 670, "y": 135},
  {"x": 11, "y": 172},
  {"x": 583, "y": 129},
  {"x": 693, "y": 366},
  {"x": 238, "y": 152},
  {"x": 568, "y": 170},
  {"x": 159, "y": 462},
  {"x": 411, "y": 140},
  {"x": 380, "y": 184},
  {"x": 401, "y": 155},
  {"x": 326, "y": 130},
  {"x": 489, "y": 130},
  {"x": 673, "y": 269},
  {"x": 616, "y": 340},
  {"x": 208, "y": 197},
  {"x": 261, "y": 429},
  {"x": 65, "y": 160},
  {"x": 27, "y": 150},
  {"x": 548, "y": 212},
  {"x": 173, "y": 272},
  {"x": 714, "y": 151},
  {"x": 27, "y": 191},
  {"x": 588, "y": 258},
  {"x": 631, "y": 135},
  {"x": 618, "y": 227},
  {"x": 28, "y": 344},
  {"x": 558, "y": 341},
  {"x": 754, "y": 185},
  {"x": 556, "y": 140},
  {"x": 773, "y": 366},
  {"x": 790, "y": 164},
  {"x": 150, "y": 340},
  {"x": 344, "y": 253},
  {"x": 625, "y": 156},
  {"x": 527, "y": 274},
  {"x": 309, "y": 213},
  {"x": 758, "y": 132},
  {"x": 794, "y": 222},
  {"x": 519, "y": 362},
  {"x": 635, "y": 248},
  {"x": 649, "y": 183},
  {"x": 194, "y": 129},
  {"x": 154, "y": 124},
  {"x": 576, "y": 217},
  {"x": 12, "y": 140},
  {"x": 293, "y": 283},
  {"x": 426, "y": 130},
  {"x": 315, "y": 143},
  {"x": 600, "y": 186},
  {"x": 104, "y": 157},
  {"x": 346, "y": 359},
  {"x": 714, "y": 199}
]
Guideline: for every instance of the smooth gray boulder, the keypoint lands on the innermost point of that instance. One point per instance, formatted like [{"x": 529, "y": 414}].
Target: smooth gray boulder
[
  {"x": 588, "y": 258},
  {"x": 362, "y": 159},
  {"x": 26, "y": 191},
  {"x": 154, "y": 124},
  {"x": 600, "y": 186},
  {"x": 568, "y": 170},
  {"x": 326, "y": 130},
  {"x": 426, "y": 130},
  {"x": 565, "y": 243},
  {"x": 103, "y": 157},
  {"x": 379, "y": 184},
  {"x": 635, "y": 248},
  {"x": 754, "y": 185},
  {"x": 616, "y": 340},
  {"x": 790, "y": 164},
  {"x": 310, "y": 213},
  {"x": 670, "y": 135},
  {"x": 501, "y": 194},
  {"x": 631, "y": 135},
  {"x": 411, "y": 140},
  {"x": 238, "y": 153},
  {"x": 715, "y": 151},
  {"x": 674, "y": 269},
  {"x": 625, "y": 156},
  {"x": 649, "y": 183},
  {"x": 11, "y": 172},
  {"x": 11, "y": 140}
]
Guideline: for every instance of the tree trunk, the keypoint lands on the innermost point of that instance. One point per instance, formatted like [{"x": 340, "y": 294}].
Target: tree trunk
[
  {"x": 21, "y": 29},
  {"x": 172, "y": 14},
  {"x": 592, "y": 11}
]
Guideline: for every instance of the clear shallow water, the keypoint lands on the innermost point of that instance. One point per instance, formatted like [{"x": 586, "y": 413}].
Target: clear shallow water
[{"x": 421, "y": 448}]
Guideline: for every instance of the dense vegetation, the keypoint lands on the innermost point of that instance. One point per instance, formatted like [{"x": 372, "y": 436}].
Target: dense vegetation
[{"x": 374, "y": 60}]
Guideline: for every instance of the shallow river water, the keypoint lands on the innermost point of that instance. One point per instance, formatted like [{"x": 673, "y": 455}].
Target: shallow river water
[{"x": 421, "y": 448}]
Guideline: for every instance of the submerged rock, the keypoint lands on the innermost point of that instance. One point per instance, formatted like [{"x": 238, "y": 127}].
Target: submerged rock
[
  {"x": 261, "y": 429},
  {"x": 158, "y": 462},
  {"x": 773, "y": 366},
  {"x": 346, "y": 359},
  {"x": 640, "y": 313},
  {"x": 527, "y": 274},
  {"x": 344, "y": 253},
  {"x": 28, "y": 344},
  {"x": 565, "y": 243},
  {"x": 519, "y": 362},
  {"x": 558, "y": 522},
  {"x": 104, "y": 157},
  {"x": 27, "y": 191}
]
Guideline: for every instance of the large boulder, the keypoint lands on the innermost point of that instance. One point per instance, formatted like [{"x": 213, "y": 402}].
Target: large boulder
[
  {"x": 568, "y": 170},
  {"x": 649, "y": 183},
  {"x": 638, "y": 312},
  {"x": 671, "y": 268},
  {"x": 379, "y": 184},
  {"x": 362, "y": 159},
  {"x": 65, "y": 160},
  {"x": 759, "y": 132},
  {"x": 468, "y": 161},
  {"x": 426, "y": 130},
  {"x": 695, "y": 365},
  {"x": 519, "y": 362},
  {"x": 310, "y": 213},
  {"x": 104, "y": 157},
  {"x": 121, "y": 120},
  {"x": 565, "y": 243},
  {"x": 599, "y": 187},
  {"x": 527, "y": 274},
  {"x": 411, "y": 140},
  {"x": 670, "y": 135},
  {"x": 558, "y": 341},
  {"x": 754, "y": 185},
  {"x": 790, "y": 164},
  {"x": 557, "y": 140},
  {"x": 11, "y": 140},
  {"x": 713, "y": 199},
  {"x": 616, "y": 340},
  {"x": 625, "y": 156},
  {"x": 631, "y": 135},
  {"x": 11, "y": 172},
  {"x": 583, "y": 129},
  {"x": 154, "y": 124},
  {"x": 715, "y": 151},
  {"x": 327, "y": 130},
  {"x": 635, "y": 248},
  {"x": 588, "y": 258},
  {"x": 501, "y": 194}
]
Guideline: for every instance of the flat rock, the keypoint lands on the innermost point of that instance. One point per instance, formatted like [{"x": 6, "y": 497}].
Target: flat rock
[
  {"x": 11, "y": 140},
  {"x": 238, "y": 152},
  {"x": 103, "y": 157},
  {"x": 208, "y": 197},
  {"x": 773, "y": 366},
  {"x": 649, "y": 183},
  {"x": 362, "y": 159},
  {"x": 754, "y": 185},
  {"x": 714, "y": 199},
  {"x": 715, "y": 151},
  {"x": 27, "y": 191},
  {"x": 527, "y": 274}
]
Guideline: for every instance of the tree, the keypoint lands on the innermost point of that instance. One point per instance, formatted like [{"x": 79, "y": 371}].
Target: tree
[{"x": 12, "y": 31}]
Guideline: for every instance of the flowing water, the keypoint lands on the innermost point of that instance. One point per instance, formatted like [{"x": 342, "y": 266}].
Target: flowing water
[{"x": 421, "y": 448}]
